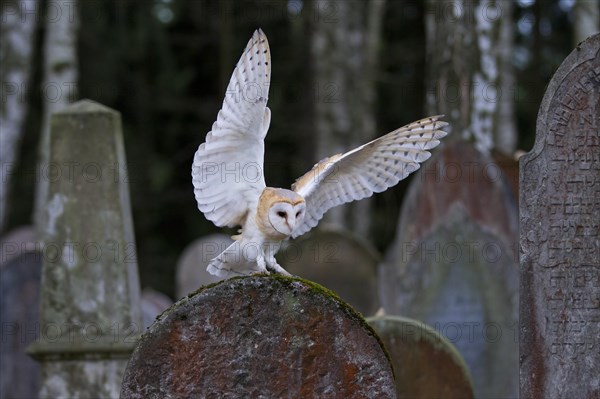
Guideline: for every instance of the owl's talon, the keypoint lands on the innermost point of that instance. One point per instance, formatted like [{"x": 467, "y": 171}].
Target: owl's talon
[{"x": 276, "y": 268}]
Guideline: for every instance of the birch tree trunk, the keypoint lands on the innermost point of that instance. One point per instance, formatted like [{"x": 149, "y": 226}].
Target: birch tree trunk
[
  {"x": 344, "y": 49},
  {"x": 17, "y": 26},
  {"x": 505, "y": 135},
  {"x": 59, "y": 87},
  {"x": 470, "y": 78},
  {"x": 586, "y": 16}
]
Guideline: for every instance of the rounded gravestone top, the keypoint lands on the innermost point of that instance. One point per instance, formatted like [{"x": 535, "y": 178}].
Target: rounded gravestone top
[
  {"x": 259, "y": 336},
  {"x": 191, "y": 271},
  {"x": 425, "y": 363}
]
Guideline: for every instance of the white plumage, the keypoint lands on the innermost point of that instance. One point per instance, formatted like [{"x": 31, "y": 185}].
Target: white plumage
[{"x": 229, "y": 183}]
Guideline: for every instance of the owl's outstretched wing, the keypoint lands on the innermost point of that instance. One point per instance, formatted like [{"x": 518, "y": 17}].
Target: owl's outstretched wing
[
  {"x": 228, "y": 168},
  {"x": 370, "y": 168}
]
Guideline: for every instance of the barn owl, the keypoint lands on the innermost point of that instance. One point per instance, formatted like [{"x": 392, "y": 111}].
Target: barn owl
[{"x": 229, "y": 183}]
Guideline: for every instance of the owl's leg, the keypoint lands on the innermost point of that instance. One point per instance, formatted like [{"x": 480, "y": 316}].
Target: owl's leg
[
  {"x": 273, "y": 266},
  {"x": 262, "y": 265},
  {"x": 270, "y": 249}
]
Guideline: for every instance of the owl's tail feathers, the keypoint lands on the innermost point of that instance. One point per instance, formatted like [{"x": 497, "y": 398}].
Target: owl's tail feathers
[{"x": 239, "y": 259}]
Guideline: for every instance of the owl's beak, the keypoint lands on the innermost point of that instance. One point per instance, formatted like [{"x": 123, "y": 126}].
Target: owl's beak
[{"x": 291, "y": 225}]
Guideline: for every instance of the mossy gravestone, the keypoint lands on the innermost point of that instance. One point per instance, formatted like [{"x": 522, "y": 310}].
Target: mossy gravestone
[
  {"x": 453, "y": 264},
  {"x": 90, "y": 300},
  {"x": 339, "y": 261},
  {"x": 259, "y": 337},
  {"x": 426, "y": 365},
  {"x": 560, "y": 230}
]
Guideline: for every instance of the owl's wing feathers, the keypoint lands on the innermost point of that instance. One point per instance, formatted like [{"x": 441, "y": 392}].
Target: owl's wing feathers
[
  {"x": 370, "y": 168},
  {"x": 228, "y": 168}
]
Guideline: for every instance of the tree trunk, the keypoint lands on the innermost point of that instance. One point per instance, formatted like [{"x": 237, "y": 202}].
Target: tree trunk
[
  {"x": 59, "y": 87},
  {"x": 586, "y": 16},
  {"x": 18, "y": 25},
  {"x": 470, "y": 79},
  {"x": 344, "y": 49},
  {"x": 505, "y": 136}
]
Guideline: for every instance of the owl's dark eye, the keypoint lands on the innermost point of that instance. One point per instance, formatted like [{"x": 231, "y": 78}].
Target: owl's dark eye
[
  {"x": 281, "y": 214},
  {"x": 298, "y": 213}
]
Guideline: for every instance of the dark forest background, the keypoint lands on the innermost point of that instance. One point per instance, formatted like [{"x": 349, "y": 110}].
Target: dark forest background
[{"x": 164, "y": 64}]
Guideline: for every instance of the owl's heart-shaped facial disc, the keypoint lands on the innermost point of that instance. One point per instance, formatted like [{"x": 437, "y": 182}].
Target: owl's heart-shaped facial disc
[{"x": 284, "y": 216}]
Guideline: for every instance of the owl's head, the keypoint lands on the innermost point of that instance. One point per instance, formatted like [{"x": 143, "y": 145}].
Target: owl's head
[{"x": 280, "y": 211}]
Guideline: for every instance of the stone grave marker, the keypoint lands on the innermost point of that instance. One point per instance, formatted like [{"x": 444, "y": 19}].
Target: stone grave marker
[
  {"x": 339, "y": 261},
  {"x": 20, "y": 275},
  {"x": 191, "y": 271},
  {"x": 426, "y": 365},
  {"x": 259, "y": 337},
  {"x": 560, "y": 229},
  {"x": 453, "y": 263},
  {"x": 90, "y": 301}
]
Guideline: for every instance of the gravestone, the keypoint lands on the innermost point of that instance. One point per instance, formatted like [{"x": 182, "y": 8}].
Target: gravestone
[
  {"x": 426, "y": 365},
  {"x": 191, "y": 271},
  {"x": 20, "y": 275},
  {"x": 259, "y": 337},
  {"x": 339, "y": 261},
  {"x": 89, "y": 302},
  {"x": 153, "y": 303},
  {"x": 560, "y": 228},
  {"x": 453, "y": 263}
]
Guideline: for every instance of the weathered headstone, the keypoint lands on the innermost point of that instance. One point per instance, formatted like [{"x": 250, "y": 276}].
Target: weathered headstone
[
  {"x": 153, "y": 303},
  {"x": 453, "y": 264},
  {"x": 560, "y": 231},
  {"x": 426, "y": 365},
  {"x": 20, "y": 275},
  {"x": 90, "y": 301},
  {"x": 191, "y": 271},
  {"x": 259, "y": 337},
  {"x": 338, "y": 261}
]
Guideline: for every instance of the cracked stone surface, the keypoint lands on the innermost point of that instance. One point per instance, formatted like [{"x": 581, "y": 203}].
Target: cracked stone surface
[{"x": 260, "y": 337}]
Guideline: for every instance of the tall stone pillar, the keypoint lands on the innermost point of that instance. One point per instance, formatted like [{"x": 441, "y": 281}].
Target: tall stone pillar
[{"x": 90, "y": 301}]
